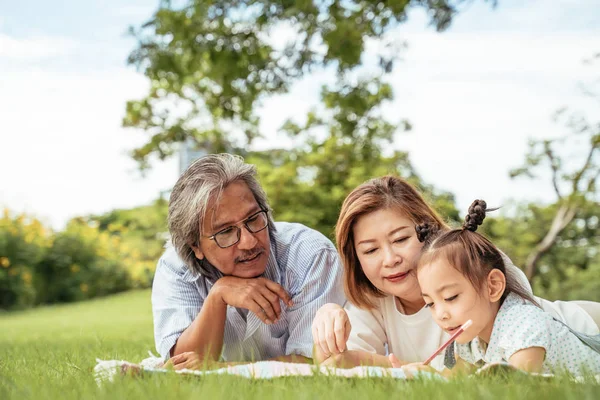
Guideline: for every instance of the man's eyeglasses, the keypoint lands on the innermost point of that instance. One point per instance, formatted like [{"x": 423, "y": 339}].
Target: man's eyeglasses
[{"x": 231, "y": 235}]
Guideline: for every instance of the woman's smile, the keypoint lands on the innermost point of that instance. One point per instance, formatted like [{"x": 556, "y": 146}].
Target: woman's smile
[{"x": 397, "y": 277}]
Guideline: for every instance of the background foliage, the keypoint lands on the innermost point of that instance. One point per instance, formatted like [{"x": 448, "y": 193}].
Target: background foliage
[
  {"x": 40, "y": 266},
  {"x": 210, "y": 65}
]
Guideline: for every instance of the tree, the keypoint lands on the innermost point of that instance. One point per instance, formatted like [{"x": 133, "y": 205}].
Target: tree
[
  {"x": 341, "y": 147},
  {"x": 573, "y": 178},
  {"x": 211, "y": 62}
]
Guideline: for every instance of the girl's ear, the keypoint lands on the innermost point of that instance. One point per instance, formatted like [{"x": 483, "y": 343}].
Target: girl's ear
[{"x": 496, "y": 282}]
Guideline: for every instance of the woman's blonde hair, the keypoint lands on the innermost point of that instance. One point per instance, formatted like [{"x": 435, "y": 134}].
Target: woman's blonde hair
[{"x": 388, "y": 192}]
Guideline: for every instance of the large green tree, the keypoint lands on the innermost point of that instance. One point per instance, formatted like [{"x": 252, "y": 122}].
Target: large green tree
[
  {"x": 210, "y": 63},
  {"x": 337, "y": 153}
]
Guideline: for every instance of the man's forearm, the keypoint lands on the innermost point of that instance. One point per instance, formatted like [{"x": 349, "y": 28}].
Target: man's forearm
[
  {"x": 205, "y": 335},
  {"x": 293, "y": 358}
]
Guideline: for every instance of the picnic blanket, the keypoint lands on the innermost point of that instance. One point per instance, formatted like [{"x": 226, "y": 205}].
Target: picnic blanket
[{"x": 106, "y": 370}]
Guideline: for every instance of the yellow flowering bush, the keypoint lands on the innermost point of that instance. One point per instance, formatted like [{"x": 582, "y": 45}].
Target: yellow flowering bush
[
  {"x": 23, "y": 241},
  {"x": 38, "y": 265},
  {"x": 82, "y": 263}
]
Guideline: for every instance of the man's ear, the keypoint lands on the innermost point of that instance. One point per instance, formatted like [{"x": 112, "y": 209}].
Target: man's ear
[
  {"x": 198, "y": 252},
  {"x": 496, "y": 282}
]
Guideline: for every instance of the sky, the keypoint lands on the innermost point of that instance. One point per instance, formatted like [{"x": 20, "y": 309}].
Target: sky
[{"x": 474, "y": 94}]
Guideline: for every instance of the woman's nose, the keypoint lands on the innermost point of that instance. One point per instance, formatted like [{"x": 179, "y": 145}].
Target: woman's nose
[{"x": 391, "y": 259}]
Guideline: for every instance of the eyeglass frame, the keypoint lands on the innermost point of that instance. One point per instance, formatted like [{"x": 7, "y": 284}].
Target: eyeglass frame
[{"x": 245, "y": 224}]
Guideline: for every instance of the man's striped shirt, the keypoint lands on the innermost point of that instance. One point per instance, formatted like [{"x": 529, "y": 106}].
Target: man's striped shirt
[{"x": 301, "y": 260}]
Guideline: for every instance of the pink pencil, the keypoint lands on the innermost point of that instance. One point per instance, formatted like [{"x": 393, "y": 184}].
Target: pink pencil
[{"x": 454, "y": 336}]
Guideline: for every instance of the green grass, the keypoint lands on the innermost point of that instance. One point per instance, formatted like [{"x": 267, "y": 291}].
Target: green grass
[{"x": 49, "y": 353}]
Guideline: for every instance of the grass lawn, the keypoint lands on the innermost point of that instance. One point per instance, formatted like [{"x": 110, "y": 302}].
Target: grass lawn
[{"x": 50, "y": 352}]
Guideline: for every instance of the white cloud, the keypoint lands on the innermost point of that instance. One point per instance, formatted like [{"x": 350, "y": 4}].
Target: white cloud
[
  {"x": 27, "y": 49},
  {"x": 134, "y": 12},
  {"x": 64, "y": 150},
  {"x": 475, "y": 100}
]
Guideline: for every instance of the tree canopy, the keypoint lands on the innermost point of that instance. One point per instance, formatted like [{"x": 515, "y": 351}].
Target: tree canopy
[{"x": 211, "y": 62}]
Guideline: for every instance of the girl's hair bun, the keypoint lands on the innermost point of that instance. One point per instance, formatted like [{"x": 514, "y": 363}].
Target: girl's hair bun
[
  {"x": 426, "y": 231},
  {"x": 476, "y": 215}
]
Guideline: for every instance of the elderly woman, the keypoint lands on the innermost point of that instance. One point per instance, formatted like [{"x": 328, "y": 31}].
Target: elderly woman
[{"x": 385, "y": 314}]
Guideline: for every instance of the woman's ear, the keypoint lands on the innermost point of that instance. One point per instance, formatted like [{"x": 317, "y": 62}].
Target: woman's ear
[{"x": 496, "y": 282}]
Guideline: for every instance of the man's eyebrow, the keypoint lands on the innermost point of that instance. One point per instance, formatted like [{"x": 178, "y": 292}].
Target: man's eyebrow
[
  {"x": 389, "y": 234},
  {"x": 222, "y": 225},
  {"x": 441, "y": 289}
]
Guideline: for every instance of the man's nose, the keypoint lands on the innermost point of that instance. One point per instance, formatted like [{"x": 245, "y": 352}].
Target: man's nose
[{"x": 247, "y": 239}]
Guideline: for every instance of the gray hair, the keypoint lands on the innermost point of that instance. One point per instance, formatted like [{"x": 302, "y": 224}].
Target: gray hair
[{"x": 204, "y": 180}]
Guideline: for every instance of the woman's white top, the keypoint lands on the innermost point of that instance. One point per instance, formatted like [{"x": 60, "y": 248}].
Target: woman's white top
[{"x": 413, "y": 338}]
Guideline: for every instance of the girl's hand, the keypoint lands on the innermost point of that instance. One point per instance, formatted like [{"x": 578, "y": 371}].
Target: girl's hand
[
  {"x": 331, "y": 329},
  {"x": 413, "y": 368}
]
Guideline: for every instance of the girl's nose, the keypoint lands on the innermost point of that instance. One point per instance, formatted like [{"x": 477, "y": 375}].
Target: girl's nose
[{"x": 442, "y": 313}]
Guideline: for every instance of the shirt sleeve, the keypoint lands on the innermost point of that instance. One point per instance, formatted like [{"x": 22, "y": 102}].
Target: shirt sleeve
[
  {"x": 175, "y": 302},
  {"x": 322, "y": 284},
  {"x": 368, "y": 333},
  {"x": 524, "y": 326}
]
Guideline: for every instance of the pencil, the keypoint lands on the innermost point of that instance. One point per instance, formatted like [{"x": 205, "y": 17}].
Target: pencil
[{"x": 449, "y": 341}]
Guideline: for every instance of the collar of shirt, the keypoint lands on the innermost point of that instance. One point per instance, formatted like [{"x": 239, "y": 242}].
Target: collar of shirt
[{"x": 476, "y": 352}]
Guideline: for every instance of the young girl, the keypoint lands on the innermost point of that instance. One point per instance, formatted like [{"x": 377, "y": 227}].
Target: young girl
[{"x": 462, "y": 276}]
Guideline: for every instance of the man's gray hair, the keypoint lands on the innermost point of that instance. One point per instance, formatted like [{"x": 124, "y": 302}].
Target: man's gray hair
[{"x": 203, "y": 181}]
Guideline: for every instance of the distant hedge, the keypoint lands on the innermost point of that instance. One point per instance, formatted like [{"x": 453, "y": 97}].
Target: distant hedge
[{"x": 40, "y": 266}]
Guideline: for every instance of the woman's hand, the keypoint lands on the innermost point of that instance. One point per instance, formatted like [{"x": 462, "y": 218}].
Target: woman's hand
[
  {"x": 331, "y": 329},
  {"x": 395, "y": 362}
]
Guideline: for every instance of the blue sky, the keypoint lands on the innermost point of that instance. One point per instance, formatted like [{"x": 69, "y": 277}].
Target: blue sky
[{"x": 474, "y": 94}]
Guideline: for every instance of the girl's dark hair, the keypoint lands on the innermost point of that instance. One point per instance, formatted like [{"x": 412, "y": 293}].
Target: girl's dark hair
[{"x": 471, "y": 253}]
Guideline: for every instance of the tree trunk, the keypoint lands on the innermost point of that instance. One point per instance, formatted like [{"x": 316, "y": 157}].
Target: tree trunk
[{"x": 563, "y": 217}]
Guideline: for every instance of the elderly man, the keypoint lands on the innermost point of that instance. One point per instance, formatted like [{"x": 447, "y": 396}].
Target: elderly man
[{"x": 234, "y": 284}]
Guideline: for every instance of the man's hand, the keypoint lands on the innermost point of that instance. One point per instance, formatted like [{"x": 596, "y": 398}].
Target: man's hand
[
  {"x": 331, "y": 329},
  {"x": 259, "y": 295},
  {"x": 187, "y": 360}
]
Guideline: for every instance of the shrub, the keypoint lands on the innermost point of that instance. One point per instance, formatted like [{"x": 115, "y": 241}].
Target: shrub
[
  {"x": 23, "y": 241},
  {"x": 38, "y": 265},
  {"x": 82, "y": 263}
]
